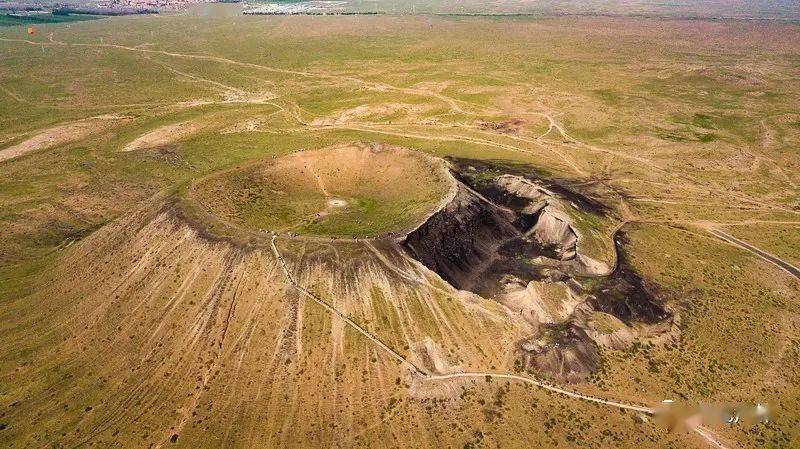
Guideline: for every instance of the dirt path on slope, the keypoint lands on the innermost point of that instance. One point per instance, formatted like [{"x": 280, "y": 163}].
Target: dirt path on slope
[
  {"x": 455, "y": 106},
  {"x": 320, "y": 184},
  {"x": 561, "y": 391},
  {"x": 13, "y": 95},
  {"x": 704, "y": 432},
  {"x": 391, "y": 352}
]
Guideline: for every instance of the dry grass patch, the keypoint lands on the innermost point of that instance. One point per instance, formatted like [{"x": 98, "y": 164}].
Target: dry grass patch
[{"x": 163, "y": 135}]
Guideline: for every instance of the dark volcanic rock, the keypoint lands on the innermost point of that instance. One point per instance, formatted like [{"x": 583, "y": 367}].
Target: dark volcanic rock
[
  {"x": 474, "y": 172},
  {"x": 562, "y": 352},
  {"x": 629, "y": 296},
  {"x": 474, "y": 241},
  {"x": 461, "y": 240},
  {"x": 513, "y": 230}
]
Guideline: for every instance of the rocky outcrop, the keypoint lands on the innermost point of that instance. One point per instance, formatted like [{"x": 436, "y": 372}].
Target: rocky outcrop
[
  {"x": 561, "y": 352},
  {"x": 478, "y": 237},
  {"x": 552, "y": 230},
  {"x": 630, "y": 298},
  {"x": 539, "y": 213},
  {"x": 518, "y": 193},
  {"x": 608, "y": 331},
  {"x": 462, "y": 238},
  {"x": 514, "y": 240},
  {"x": 539, "y": 302}
]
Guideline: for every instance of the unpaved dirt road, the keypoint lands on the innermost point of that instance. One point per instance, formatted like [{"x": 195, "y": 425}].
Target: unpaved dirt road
[
  {"x": 455, "y": 107},
  {"x": 528, "y": 380},
  {"x": 780, "y": 263},
  {"x": 453, "y": 104}
]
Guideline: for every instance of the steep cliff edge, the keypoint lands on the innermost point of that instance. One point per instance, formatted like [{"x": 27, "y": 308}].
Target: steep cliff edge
[
  {"x": 460, "y": 240},
  {"x": 512, "y": 239},
  {"x": 509, "y": 226}
]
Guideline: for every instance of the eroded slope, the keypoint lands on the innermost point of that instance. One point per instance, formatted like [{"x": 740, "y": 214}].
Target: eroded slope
[
  {"x": 158, "y": 331},
  {"x": 508, "y": 237}
]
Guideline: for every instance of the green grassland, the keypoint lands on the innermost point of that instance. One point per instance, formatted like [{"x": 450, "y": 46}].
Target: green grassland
[
  {"x": 340, "y": 192},
  {"x": 782, "y": 240},
  {"x": 673, "y": 124}
]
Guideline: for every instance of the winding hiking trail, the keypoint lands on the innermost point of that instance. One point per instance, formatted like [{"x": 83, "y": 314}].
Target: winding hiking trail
[{"x": 424, "y": 375}]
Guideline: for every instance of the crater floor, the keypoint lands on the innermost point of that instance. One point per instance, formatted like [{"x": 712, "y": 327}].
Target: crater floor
[{"x": 347, "y": 191}]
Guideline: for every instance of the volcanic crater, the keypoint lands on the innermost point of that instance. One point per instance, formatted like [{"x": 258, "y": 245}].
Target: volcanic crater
[
  {"x": 347, "y": 191},
  {"x": 358, "y": 212}
]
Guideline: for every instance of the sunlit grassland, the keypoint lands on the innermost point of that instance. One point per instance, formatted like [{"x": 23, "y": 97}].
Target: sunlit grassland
[
  {"x": 735, "y": 316},
  {"x": 686, "y": 121},
  {"x": 782, "y": 240}
]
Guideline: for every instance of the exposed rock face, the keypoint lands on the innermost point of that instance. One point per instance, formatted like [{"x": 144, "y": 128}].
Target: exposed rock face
[
  {"x": 461, "y": 239},
  {"x": 514, "y": 240},
  {"x": 607, "y": 330},
  {"x": 630, "y": 309},
  {"x": 539, "y": 208},
  {"x": 518, "y": 193},
  {"x": 475, "y": 240},
  {"x": 562, "y": 352},
  {"x": 554, "y": 231},
  {"x": 631, "y": 298},
  {"x": 539, "y": 302}
]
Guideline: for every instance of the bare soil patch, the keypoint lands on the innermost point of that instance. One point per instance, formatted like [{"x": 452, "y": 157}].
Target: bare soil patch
[
  {"x": 373, "y": 112},
  {"x": 163, "y": 135},
  {"x": 58, "y": 135}
]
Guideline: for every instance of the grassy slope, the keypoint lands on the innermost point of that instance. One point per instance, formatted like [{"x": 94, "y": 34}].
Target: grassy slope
[{"x": 781, "y": 240}]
